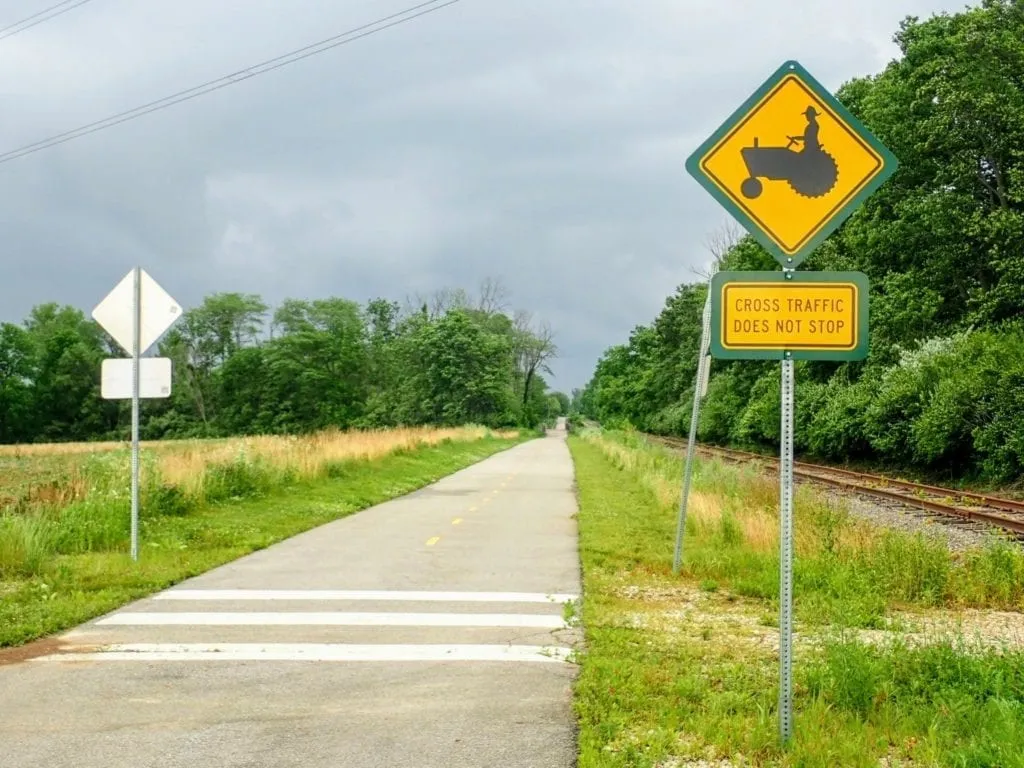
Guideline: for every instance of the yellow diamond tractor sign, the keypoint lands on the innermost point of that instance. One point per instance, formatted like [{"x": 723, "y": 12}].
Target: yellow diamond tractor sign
[{"x": 791, "y": 164}]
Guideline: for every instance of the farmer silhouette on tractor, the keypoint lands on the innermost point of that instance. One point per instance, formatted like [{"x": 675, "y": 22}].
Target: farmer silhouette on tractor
[
  {"x": 810, "y": 172},
  {"x": 810, "y": 137}
]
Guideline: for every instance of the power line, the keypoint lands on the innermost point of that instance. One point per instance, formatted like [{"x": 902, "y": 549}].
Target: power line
[
  {"x": 263, "y": 67},
  {"x": 60, "y": 8}
]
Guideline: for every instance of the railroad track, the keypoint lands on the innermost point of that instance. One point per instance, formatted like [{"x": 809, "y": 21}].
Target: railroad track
[{"x": 1007, "y": 514}]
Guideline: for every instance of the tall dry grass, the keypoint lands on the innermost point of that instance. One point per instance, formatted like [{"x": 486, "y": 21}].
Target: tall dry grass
[
  {"x": 58, "y": 475},
  {"x": 418, "y": 435},
  {"x": 726, "y": 495},
  {"x": 302, "y": 458},
  {"x": 853, "y": 567},
  {"x": 754, "y": 513},
  {"x": 79, "y": 504},
  {"x": 66, "y": 449}
]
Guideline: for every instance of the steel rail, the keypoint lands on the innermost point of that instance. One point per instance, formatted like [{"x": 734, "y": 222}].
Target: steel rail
[
  {"x": 994, "y": 502},
  {"x": 862, "y": 482}
]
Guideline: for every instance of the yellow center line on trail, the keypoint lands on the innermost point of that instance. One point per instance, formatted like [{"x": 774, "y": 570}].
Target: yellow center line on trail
[
  {"x": 431, "y": 542},
  {"x": 456, "y": 521}
]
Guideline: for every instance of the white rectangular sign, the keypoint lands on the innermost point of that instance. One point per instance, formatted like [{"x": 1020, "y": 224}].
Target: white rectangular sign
[
  {"x": 159, "y": 311},
  {"x": 154, "y": 378}
]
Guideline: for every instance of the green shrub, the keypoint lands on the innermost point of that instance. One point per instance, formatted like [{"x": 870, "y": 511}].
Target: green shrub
[
  {"x": 236, "y": 479},
  {"x": 902, "y": 393},
  {"x": 850, "y": 677},
  {"x": 729, "y": 530},
  {"x": 338, "y": 469},
  {"x": 169, "y": 500},
  {"x": 999, "y": 438},
  {"x": 942, "y": 432},
  {"x": 952, "y": 403},
  {"x": 997, "y": 575},
  {"x": 837, "y": 429},
  {"x": 759, "y": 421},
  {"x": 811, "y": 397},
  {"x": 972, "y": 702},
  {"x": 725, "y": 401},
  {"x": 673, "y": 419},
  {"x": 95, "y": 525},
  {"x": 911, "y": 568},
  {"x": 26, "y": 543},
  {"x": 575, "y": 424}
]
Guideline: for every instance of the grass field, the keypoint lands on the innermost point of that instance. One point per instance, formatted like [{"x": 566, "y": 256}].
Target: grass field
[
  {"x": 906, "y": 654},
  {"x": 65, "y": 523},
  {"x": 57, "y": 473}
]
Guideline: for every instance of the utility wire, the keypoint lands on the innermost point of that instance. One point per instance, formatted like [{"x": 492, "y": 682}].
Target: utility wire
[
  {"x": 263, "y": 67},
  {"x": 20, "y": 26}
]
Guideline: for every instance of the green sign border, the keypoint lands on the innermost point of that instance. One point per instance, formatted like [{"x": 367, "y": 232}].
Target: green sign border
[
  {"x": 889, "y": 165},
  {"x": 719, "y": 281}
]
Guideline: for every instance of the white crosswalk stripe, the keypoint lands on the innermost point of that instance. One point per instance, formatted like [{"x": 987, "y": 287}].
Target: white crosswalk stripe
[
  {"x": 337, "y": 619},
  {"x": 371, "y": 595},
  {"x": 110, "y": 638},
  {"x": 317, "y": 652}
]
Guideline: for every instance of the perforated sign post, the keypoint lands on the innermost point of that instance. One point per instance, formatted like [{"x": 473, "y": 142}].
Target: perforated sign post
[
  {"x": 791, "y": 164},
  {"x": 136, "y": 313},
  {"x": 700, "y": 390}
]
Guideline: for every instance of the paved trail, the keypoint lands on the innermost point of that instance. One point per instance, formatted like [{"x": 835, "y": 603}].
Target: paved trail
[{"x": 427, "y": 631}]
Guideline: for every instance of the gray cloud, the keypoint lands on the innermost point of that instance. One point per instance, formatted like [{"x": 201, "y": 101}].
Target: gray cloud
[{"x": 542, "y": 142}]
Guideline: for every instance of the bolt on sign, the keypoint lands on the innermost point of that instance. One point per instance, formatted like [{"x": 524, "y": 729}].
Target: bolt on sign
[
  {"x": 791, "y": 164},
  {"x": 805, "y": 316}
]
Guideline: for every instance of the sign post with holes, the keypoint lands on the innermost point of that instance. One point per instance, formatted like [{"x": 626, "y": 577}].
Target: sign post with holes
[
  {"x": 791, "y": 164},
  {"x": 700, "y": 390},
  {"x": 136, "y": 313}
]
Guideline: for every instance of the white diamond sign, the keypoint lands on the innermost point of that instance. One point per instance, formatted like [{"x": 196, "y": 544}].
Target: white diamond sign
[{"x": 159, "y": 311}]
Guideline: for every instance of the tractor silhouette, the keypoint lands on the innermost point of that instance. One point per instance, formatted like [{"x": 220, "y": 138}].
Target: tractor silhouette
[{"x": 810, "y": 172}]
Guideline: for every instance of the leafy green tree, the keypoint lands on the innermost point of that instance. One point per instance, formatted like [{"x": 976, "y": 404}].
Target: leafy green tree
[
  {"x": 467, "y": 372},
  {"x": 67, "y": 351},
  {"x": 532, "y": 349},
  {"x": 952, "y": 110},
  {"x": 561, "y": 403},
  {"x": 17, "y": 376},
  {"x": 576, "y": 402},
  {"x": 383, "y": 327},
  {"x": 316, "y": 370},
  {"x": 204, "y": 339},
  {"x": 943, "y": 245},
  {"x": 329, "y": 362},
  {"x": 245, "y": 391}
]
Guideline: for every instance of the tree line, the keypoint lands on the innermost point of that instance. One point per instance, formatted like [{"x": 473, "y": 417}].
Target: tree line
[
  {"x": 241, "y": 369},
  {"x": 943, "y": 245}
]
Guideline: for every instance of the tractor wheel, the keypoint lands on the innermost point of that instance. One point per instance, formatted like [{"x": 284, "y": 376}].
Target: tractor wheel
[
  {"x": 816, "y": 176},
  {"x": 751, "y": 188}
]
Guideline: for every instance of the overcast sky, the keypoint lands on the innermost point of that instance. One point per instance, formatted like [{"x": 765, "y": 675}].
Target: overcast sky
[{"x": 537, "y": 141}]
